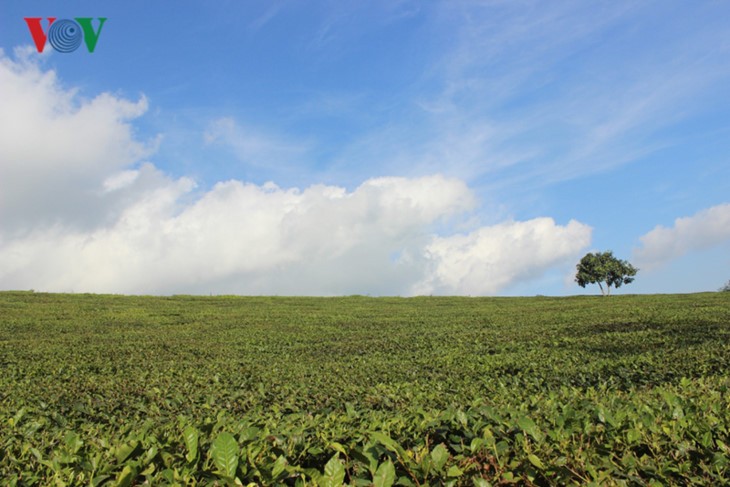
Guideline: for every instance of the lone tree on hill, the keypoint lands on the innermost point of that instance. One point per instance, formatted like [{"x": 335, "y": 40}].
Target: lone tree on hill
[{"x": 603, "y": 268}]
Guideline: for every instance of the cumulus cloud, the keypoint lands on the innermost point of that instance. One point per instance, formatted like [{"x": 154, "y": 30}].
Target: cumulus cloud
[
  {"x": 250, "y": 239},
  {"x": 80, "y": 210},
  {"x": 491, "y": 258},
  {"x": 55, "y": 145},
  {"x": 702, "y": 230},
  {"x": 246, "y": 238}
]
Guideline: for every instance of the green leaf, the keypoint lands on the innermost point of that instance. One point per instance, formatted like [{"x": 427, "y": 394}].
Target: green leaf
[
  {"x": 633, "y": 435},
  {"x": 385, "y": 476},
  {"x": 126, "y": 476},
  {"x": 334, "y": 473},
  {"x": 536, "y": 461},
  {"x": 338, "y": 447},
  {"x": 439, "y": 456},
  {"x": 73, "y": 442},
  {"x": 722, "y": 446},
  {"x": 367, "y": 457},
  {"x": 150, "y": 455},
  {"x": 191, "y": 443},
  {"x": 18, "y": 416},
  {"x": 389, "y": 443},
  {"x": 99, "y": 479},
  {"x": 502, "y": 447},
  {"x": 279, "y": 466},
  {"x": 127, "y": 451},
  {"x": 454, "y": 471},
  {"x": 476, "y": 444},
  {"x": 224, "y": 452},
  {"x": 530, "y": 428}
]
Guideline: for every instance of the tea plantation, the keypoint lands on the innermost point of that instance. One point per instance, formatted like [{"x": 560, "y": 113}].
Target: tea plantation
[{"x": 120, "y": 390}]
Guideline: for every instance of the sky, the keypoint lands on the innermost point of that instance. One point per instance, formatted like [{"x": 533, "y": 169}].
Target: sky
[{"x": 379, "y": 148}]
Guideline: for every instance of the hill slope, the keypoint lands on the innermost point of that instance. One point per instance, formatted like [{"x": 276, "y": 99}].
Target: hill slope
[{"x": 206, "y": 390}]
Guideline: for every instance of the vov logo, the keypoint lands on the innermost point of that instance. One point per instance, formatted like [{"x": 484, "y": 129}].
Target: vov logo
[{"x": 65, "y": 35}]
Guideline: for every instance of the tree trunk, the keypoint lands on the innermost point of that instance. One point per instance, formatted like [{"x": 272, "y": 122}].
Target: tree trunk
[{"x": 603, "y": 293}]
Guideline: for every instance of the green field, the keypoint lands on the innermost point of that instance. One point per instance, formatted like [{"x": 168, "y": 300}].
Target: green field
[{"x": 113, "y": 390}]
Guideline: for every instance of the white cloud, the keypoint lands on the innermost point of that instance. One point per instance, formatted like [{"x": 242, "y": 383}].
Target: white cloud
[
  {"x": 120, "y": 180},
  {"x": 702, "y": 230},
  {"x": 264, "y": 238},
  {"x": 55, "y": 145},
  {"x": 81, "y": 211},
  {"x": 491, "y": 258},
  {"x": 251, "y": 239}
]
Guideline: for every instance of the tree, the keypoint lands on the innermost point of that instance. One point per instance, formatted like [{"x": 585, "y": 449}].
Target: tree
[
  {"x": 725, "y": 288},
  {"x": 603, "y": 268}
]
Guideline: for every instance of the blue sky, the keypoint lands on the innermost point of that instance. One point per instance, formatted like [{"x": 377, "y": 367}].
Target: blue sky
[{"x": 341, "y": 147}]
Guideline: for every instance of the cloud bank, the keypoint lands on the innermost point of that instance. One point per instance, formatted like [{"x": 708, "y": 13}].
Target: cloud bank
[
  {"x": 702, "y": 230},
  {"x": 81, "y": 210}
]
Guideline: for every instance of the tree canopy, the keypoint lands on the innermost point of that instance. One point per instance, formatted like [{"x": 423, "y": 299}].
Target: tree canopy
[{"x": 603, "y": 268}]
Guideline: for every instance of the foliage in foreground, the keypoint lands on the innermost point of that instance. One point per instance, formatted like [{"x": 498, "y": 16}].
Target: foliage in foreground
[{"x": 108, "y": 390}]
